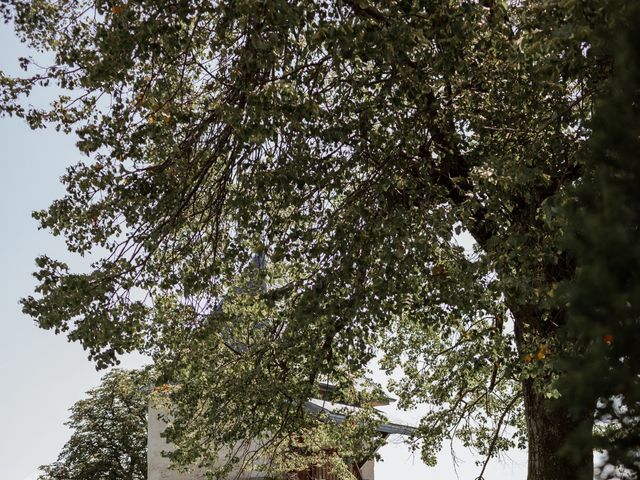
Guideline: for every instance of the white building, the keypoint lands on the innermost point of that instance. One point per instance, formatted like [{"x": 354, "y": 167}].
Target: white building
[{"x": 158, "y": 465}]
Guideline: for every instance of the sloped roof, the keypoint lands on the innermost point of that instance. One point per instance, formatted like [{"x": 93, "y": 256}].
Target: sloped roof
[{"x": 332, "y": 411}]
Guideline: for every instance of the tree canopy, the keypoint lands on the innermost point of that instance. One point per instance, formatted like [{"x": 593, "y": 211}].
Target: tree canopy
[
  {"x": 109, "y": 432},
  {"x": 280, "y": 188},
  {"x": 603, "y": 233}
]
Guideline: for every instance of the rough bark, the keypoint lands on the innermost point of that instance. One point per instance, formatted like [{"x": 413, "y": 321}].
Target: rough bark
[
  {"x": 548, "y": 427},
  {"x": 550, "y": 424}
]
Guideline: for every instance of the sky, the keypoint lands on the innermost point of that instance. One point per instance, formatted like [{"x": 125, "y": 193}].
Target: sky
[{"x": 42, "y": 374}]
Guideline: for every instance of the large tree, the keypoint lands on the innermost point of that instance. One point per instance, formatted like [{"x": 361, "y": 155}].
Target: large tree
[
  {"x": 603, "y": 232},
  {"x": 109, "y": 432},
  {"x": 280, "y": 187}
]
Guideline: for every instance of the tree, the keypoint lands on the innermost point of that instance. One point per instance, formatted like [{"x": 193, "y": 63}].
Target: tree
[
  {"x": 109, "y": 439},
  {"x": 603, "y": 234},
  {"x": 346, "y": 144}
]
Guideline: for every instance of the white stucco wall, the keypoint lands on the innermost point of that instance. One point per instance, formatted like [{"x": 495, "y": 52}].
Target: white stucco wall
[
  {"x": 367, "y": 470},
  {"x": 158, "y": 466}
]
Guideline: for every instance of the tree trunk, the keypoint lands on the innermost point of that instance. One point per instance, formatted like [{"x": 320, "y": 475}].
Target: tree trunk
[
  {"x": 548, "y": 427},
  {"x": 551, "y": 423}
]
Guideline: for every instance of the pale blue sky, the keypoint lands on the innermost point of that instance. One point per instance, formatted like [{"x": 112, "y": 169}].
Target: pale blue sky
[{"x": 41, "y": 374}]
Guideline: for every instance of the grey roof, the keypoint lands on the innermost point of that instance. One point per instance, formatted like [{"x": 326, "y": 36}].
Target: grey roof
[
  {"x": 383, "y": 427},
  {"x": 332, "y": 388}
]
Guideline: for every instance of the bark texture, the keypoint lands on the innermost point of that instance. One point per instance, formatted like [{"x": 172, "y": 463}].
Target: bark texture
[{"x": 548, "y": 427}]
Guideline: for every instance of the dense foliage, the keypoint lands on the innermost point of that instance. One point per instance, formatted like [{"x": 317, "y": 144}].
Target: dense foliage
[
  {"x": 109, "y": 432},
  {"x": 280, "y": 188},
  {"x": 603, "y": 231}
]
